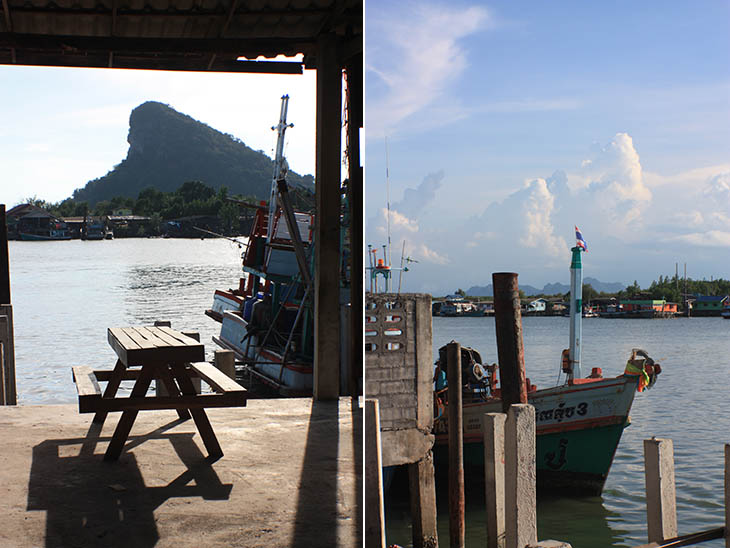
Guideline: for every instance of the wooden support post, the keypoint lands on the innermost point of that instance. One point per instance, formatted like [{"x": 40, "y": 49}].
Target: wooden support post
[
  {"x": 7, "y": 366},
  {"x": 508, "y": 325},
  {"x": 727, "y": 495},
  {"x": 355, "y": 122},
  {"x": 456, "y": 446},
  {"x": 2, "y": 369},
  {"x": 225, "y": 360},
  {"x": 520, "y": 477},
  {"x": 661, "y": 504},
  {"x": 4, "y": 259},
  {"x": 327, "y": 222},
  {"x": 374, "y": 507},
  {"x": 494, "y": 477},
  {"x": 422, "y": 487}
]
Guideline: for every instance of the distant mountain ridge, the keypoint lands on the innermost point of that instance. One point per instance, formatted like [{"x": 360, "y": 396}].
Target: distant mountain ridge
[
  {"x": 168, "y": 148},
  {"x": 549, "y": 289}
]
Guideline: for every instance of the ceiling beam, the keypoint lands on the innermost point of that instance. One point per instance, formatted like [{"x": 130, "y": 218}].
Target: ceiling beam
[
  {"x": 243, "y": 47},
  {"x": 224, "y": 28},
  {"x": 121, "y": 61}
]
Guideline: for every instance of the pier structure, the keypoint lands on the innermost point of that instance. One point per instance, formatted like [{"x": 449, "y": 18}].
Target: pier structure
[
  {"x": 399, "y": 375},
  {"x": 230, "y": 38},
  {"x": 8, "y": 392}
]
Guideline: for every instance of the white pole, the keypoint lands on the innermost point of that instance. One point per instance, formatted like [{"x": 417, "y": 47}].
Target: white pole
[
  {"x": 576, "y": 311},
  {"x": 279, "y": 163}
]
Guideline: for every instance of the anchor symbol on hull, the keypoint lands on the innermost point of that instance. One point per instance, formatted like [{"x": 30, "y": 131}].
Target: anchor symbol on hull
[{"x": 550, "y": 457}]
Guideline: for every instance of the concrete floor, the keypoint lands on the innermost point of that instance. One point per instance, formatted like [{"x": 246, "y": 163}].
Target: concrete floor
[{"x": 290, "y": 477}]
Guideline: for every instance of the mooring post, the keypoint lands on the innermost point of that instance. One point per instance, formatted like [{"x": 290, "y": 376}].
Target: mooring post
[
  {"x": 661, "y": 503},
  {"x": 508, "y": 326},
  {"x": 225, "y": 360},
  {"x": 374, "y": 506},
  {"x": 494, "y": 477},
  {"x": 456, "y": 446},
  {"x": 520, "y": 477},
  {"x": 422, "y": 486}
]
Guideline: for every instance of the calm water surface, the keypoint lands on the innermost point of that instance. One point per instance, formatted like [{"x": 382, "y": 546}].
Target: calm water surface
[
  {"x": 66, "y": 294},
  {"x": 689, "y": 404}
]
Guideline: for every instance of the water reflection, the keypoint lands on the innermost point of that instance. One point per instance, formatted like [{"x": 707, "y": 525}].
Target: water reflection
[
  {"x": 66, "y": 295},
  {"x": 583, "y": 522}
]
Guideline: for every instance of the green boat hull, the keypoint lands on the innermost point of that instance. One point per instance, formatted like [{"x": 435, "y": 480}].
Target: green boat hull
[
  {"x": 575, "y": 462},
  {"x": 578, "y": 431}
]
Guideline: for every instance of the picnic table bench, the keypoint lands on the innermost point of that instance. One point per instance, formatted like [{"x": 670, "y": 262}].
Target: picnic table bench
[{"x": 169, "y": 357}]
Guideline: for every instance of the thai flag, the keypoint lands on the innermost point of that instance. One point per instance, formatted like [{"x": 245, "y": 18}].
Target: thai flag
[{"x": 579, "y": 241}]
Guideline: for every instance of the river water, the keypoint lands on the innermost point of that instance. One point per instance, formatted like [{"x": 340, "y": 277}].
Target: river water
[
  {"x": 66, "y": 294},
  {"x": 689, "y": 404}
]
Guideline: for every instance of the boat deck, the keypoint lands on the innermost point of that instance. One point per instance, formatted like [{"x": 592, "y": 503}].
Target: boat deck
[{"x": 291, "y": 476}]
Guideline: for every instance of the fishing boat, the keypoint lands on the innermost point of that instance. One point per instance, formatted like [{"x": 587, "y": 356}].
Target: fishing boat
[
  {"x": 578, "y": 423},
  {"x": 267, "y": 321}
]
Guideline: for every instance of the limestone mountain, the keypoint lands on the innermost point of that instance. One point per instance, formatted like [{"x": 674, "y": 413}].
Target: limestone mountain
[{"x": 168, "y": 148}]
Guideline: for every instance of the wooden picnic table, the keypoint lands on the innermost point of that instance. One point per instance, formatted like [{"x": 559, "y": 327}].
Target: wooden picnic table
[{"x": 169, "y": 357}]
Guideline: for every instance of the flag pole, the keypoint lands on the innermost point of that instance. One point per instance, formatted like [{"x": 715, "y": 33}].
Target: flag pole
[{"x": 576, "y": 313}]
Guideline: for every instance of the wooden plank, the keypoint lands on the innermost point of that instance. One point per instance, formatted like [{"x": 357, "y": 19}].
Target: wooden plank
[
  {"x": 218, "y": 381},
  {"x": 201, "y": 419},
  {"x": 165, "y": 375},
  {"x": 182, "y": 337},
  {"x": 121, "y": 433},
  {"x": 120, "y": 342},
  {"x": 112, "y": 386},
  {"x": 85, "y": 380},
  {"x": 141, "y": 338},
  {"x": 139, "y": 347},
  {"x": 155, "y": 403},
  {"x": 104, "y": 375},
  {"x": 158, "y": 334}
]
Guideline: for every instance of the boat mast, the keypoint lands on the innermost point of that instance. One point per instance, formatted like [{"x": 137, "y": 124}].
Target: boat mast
[
  {"x": 576, "y": 311},
  {"x": 280, "y": 164}
]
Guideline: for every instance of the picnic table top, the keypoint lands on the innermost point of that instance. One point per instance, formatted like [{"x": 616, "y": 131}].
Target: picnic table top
[{"x": 145, "y": 345}]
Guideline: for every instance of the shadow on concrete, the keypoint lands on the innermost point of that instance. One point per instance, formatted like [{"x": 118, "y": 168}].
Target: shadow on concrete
[
  {"x": 357, "y": 448},
  {"x": 90, "y": 502},
  {"x": 317, "y": 506}
]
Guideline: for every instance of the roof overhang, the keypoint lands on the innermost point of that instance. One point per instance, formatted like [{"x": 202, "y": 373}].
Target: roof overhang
[{"x": 188, "y": 35}]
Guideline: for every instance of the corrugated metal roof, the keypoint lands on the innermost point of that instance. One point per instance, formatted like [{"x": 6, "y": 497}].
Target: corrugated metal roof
[{"x": 173, "y": 34}]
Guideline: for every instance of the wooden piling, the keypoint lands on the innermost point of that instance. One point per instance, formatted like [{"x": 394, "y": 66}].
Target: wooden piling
[
  {"x": 661, "y": 504},
  {"x": 520, "y": 477},
  {"x": 374, "y": 506},
  {"x": 508, "y": 326},
  {"x": 494, "y": 477},
  {"x": 7, "y": 366},
  {"x": 456, "y": 446},
  {"x": 4, "y": 260},
  {"x": 422, "y": 487},
  {"x": 225, "y": 360}
]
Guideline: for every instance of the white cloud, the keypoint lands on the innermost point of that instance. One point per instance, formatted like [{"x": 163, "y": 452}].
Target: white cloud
[
  {"x": 418, "y": 58},
  {"x": 537, "y": 210},
  {"x": 711, "y": 238}
]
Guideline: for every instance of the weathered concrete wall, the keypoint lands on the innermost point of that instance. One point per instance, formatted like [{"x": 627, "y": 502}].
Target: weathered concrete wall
[{"x": 399, "y": 372}]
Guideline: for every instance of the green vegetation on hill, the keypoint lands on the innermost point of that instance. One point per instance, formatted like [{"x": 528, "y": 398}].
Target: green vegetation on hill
[{"x": 167, "y": 148}]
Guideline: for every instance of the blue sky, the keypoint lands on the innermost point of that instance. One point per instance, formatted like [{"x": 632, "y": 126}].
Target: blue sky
[
  {"x": 63, "y": 127},
  {"x": 509, "y": 122}
]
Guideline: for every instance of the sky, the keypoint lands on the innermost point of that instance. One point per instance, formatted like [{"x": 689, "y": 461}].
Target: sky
[
  {"x": 508, "y": 123},
  {"x": 62, "y": 127}
]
